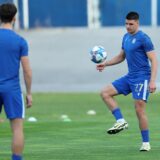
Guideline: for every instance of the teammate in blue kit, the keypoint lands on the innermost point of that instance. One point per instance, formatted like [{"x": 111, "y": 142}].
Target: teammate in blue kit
[
  {"x": 13, "y": 52},
  {"x": 138, "y": 50}
]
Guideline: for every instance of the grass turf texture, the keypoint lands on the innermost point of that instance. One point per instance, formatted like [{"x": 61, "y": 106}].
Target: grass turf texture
[{"x": 84, "y": 138}]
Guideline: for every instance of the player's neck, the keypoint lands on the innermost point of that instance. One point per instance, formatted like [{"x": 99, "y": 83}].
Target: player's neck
[
  {"x": 7, "y": 26},
  {"x": 134, "y": 32}
]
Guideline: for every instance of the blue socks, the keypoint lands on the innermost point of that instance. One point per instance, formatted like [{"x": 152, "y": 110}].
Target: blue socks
[
  {"x": 16, "y": 157},
  {"x": 145, "y": 135},
  {"x": 117, "y": 114}
]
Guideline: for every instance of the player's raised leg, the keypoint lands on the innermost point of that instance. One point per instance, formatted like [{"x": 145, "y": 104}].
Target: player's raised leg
[
  {"x": 107, "y": 95},
  {"x": 140, "y": 106},
  {"x": 17, "y": 139}
]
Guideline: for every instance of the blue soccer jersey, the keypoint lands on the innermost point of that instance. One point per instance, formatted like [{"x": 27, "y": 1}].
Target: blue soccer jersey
[
  {"x": 12, "y": 48},
  {"x": 135, "y": 47}
]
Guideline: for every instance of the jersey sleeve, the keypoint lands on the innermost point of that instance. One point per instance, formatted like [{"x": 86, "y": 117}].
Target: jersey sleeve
[
  {"x": 23, "y": 48},
  {"x": 147, "y": 44}
]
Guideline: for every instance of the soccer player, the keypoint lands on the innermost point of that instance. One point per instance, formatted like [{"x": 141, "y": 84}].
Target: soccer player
[
  {"x": 13, "y": 52},
  {"x": 138, "y": 50}
]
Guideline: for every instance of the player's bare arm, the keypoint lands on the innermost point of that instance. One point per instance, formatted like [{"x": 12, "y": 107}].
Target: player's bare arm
[
  {"x": 27, "y": 72},
  {"x": 154, "y": 67},
  {"x": 115, "y": 60}
]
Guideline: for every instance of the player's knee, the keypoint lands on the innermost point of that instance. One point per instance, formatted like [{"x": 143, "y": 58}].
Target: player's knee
[
  {"x": 139, "y": 104},
  {"x": 105, "y": 95}
]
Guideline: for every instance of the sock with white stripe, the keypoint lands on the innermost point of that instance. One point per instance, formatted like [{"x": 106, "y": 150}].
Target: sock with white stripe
[
  {"x": 145, "y": 135},
  {"x": 118, "y": 115}
]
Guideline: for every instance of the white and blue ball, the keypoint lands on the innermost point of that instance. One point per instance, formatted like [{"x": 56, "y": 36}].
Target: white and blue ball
[{"x": 98, "y": 54}]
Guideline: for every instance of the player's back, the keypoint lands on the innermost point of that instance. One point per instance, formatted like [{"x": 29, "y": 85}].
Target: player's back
[{"x": 10, "y": 53}]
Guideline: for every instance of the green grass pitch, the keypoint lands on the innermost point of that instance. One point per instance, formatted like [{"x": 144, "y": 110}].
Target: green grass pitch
[{"x": 84, "y": 138}]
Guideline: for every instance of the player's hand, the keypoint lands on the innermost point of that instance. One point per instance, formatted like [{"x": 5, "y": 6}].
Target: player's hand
[
  {"x": 152, "y": 86},
  {"x": 29, "y": 100},
  {"x": 100, "y": 67}
]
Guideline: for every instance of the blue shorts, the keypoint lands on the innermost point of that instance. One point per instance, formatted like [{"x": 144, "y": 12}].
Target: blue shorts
[
  {"x": 13, "y": 104},
  {"x": 138, "y": 87}
]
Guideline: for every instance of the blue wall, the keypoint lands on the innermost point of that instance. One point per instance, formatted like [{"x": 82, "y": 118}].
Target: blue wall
[
  {"x": 20, "y": 4},
  {"x": 5, "y": 1},
  {"x": 113, "y": 12},
  {"x": 158, "y": 14},
  {"x": 58, "y": 13},
  {"x": 73, "y": 13}
]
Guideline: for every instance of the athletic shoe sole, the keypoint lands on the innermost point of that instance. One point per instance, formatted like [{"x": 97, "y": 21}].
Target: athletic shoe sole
[{"x": 114, "y": 131}]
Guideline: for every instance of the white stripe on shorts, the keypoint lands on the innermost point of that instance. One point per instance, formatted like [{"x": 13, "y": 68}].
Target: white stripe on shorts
[
  {"x": 145, "y": 89},
  {"x": 23, "y": 107}
]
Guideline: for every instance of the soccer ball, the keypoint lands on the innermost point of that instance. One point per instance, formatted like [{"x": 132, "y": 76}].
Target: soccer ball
[{"x": 98, "y": 54}]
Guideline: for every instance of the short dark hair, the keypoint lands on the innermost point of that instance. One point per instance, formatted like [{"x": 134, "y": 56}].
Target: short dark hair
[
  {"x": 7, "y": 12},
  {"x": 132, "y": 16}
]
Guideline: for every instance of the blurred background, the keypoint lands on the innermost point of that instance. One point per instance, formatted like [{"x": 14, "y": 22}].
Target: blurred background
[{"x": 61, "y": 33}]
